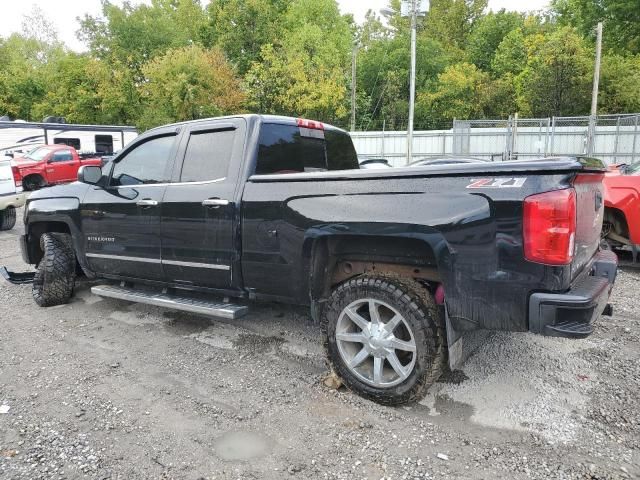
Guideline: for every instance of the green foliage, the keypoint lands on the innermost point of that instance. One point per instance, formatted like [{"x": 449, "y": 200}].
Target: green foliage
[
  {"x": 451, "y": 21},
  {"x": 620, "y": 84},
  {"x": 305, "y": 73},
  {"x": 134, "y": 35},
  {"x": 383, "y": 73},
  {"x": 169, "y": 60},
  {"x": 489, "y": 32},
  {"x": 461, "y": 92},
  {"x": 557, "y": 77},
  {"x": 242, "y": 27},
  {"x": 189, "y": 83},
  {"x": 621, "y": 18},
  {"x": 511, "y": 54}
]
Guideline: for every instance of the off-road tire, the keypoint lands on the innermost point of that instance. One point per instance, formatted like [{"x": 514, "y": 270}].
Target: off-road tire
[
  {"x": 55, "y": 276},
  {"x": 417, "y": 306},
  {"x": 7, "y": 218}
]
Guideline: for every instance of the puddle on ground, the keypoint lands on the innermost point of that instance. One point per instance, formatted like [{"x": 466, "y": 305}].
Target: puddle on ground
[
  {"x": 241, "y": 446},
  {"x": 438, "y": 404},
  {"x": 445, "y": 405}
]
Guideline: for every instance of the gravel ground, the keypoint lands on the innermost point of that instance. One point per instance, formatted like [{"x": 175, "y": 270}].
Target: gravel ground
[{"x": 105, "y": 389}]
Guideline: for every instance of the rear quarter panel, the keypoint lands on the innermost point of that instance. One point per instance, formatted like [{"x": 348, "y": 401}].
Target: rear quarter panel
[
  {"x": 475, "y": 233},
  {"x": 623, "y": 193}
]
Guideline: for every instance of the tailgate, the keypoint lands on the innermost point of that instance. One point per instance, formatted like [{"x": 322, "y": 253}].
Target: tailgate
[
  {"x": 589, "y": 216},
  {"x": 7, "y": 183}
]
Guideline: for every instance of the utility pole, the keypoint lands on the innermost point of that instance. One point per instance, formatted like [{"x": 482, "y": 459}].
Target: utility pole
[
  {"x": 594, "y": 93},
  {"x": 412, "y": 82},
  {"x": 596, "y": 72},
  {"x": 412, "y": 9},
  {"x": 353, "y": 86}
]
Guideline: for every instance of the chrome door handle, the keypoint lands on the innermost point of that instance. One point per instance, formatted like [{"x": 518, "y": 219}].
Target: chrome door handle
[
  {"x": 215, "y": 202},
  {"x": 147, "y": 202}
]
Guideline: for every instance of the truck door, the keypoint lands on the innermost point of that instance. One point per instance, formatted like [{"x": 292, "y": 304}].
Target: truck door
[
  {"x": 199, "y": 212},
  {"x": 121, "y": 221},
  {"x": 61, "y": 167}
]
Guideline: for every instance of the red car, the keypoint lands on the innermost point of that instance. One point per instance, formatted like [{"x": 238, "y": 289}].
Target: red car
[
  {"x": 621, "y": 227},
  {"x": 51, "y": 165}
]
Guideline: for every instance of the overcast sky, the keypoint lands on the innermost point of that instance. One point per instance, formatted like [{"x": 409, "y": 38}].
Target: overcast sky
[{"x": 63, "y": 13}]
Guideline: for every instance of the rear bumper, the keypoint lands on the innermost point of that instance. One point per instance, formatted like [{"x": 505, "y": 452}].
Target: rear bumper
[{"x": 573, "y": 313}]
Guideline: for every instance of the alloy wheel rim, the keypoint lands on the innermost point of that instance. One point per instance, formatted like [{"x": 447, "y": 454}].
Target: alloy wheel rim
[{"x": 375, "y": 343}]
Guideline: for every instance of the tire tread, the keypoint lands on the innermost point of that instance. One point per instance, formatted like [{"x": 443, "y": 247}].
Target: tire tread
[
  {"x": 412, "y": 296},
  {"x": 55, "y": 276}
]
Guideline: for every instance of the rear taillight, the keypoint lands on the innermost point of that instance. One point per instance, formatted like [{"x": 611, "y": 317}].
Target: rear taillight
[
  {"x": 550, "y": 227},
  {"x": 17, "y": 177}
]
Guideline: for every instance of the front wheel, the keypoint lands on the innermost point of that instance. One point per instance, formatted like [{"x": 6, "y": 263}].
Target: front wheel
[
  {"x": 7, "y": 218},
  {"x": 55, "y": 277},
  {"x": 384, "y": 338}
]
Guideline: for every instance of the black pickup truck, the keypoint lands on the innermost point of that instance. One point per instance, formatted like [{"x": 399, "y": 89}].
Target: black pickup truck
[{"x": 396, "y": 264}]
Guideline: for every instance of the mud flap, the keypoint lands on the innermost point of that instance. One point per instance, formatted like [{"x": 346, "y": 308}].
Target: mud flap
[
  {"x": 17, "y": 278},
  {"x": 454, "y": 343}
]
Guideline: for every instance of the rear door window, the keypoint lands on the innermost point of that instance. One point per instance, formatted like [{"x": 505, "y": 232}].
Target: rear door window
[
  {"x": 208, "y": 156},
  {"x": 341, "y": 154},
  {"x": 290, "y": 149}
]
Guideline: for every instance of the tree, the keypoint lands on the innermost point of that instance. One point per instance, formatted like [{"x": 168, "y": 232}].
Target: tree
[
  {"x": 306, "y": 71},
  {"x": 461, "y": 92},
  {"x": 189, "y": 83},
  {"x": 37, "y": 27},
  {"x": 451, "y": 21},
  {"x": 242, "y": 27},
  {"x": 22, "y": 79},
  {"x": 383, "y": 73},
  {"x": 487, "y": 34},
  {"x": 620, "y": 84},
  {"x": 621, "y": 17},
  {"x": 134, "y": 35},
  {"x": 511, "y": 54},
  {"x": 557, "y": 77}
]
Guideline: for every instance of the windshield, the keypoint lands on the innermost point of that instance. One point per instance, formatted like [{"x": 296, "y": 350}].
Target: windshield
[
  {"x": 633, "y": 169},
  {"x": 38, "y": 154}
]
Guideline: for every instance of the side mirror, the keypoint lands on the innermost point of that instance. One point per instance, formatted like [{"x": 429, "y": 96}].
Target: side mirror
[{"x": 90, "y": 174}]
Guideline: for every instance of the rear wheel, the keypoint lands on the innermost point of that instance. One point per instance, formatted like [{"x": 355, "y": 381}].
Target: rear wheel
[
  {"x": 384, "y": 338},
  {"x": 55, "y": 277},
  {"x": 33, "y": 182},
  {"x": 7, "y": 218}
]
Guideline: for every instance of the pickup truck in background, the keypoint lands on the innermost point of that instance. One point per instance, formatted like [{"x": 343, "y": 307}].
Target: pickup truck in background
[
  {"x": 396, "y": 264},
  {"x": 621, "y": 227},
  {"x": 51, "y": 165},
  {"x": 11, "y": 195}
]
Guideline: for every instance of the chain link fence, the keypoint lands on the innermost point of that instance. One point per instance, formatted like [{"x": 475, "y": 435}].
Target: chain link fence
[{"x": 612, "y": 138}]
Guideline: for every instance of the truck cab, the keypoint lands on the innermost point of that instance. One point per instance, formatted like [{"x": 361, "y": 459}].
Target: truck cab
[{"x": 51, "y": 165}]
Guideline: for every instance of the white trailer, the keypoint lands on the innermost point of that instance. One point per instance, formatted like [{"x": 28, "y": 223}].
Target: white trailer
[{"x": 19, "y": 136}]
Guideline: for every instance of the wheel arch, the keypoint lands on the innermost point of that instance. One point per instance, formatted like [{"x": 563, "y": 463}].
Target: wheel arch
[
  {"x": 57, "y": 215},
  {"x": 26, "y": 179},
  {"x": 333, "y": 258}
]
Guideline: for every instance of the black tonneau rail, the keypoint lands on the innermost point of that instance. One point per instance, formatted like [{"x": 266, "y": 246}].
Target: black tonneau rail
[{"x": 549, "y": 165}]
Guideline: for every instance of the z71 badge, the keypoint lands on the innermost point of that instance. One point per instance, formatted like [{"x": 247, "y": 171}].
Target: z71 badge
[{"x": 500, "y": 182}]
